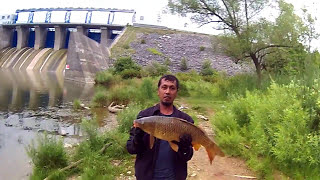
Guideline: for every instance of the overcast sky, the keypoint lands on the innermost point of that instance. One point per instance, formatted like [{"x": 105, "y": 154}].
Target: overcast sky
[{"x": 147, "y": 8}]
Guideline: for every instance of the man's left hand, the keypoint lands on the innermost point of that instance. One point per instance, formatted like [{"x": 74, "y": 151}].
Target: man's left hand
[{"x": 184, "y": 143}]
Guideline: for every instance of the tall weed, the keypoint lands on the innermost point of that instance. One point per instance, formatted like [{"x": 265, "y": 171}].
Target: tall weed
[
  {"x": 125, "y": 118},
  {"x": 273, "y": 125},
  {"x": 47, "y": 155}
]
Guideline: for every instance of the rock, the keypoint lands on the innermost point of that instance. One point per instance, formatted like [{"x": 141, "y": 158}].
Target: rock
[
  {"x": 129, "y": 172},
  {"x": 66, "y": 145},
  {"x": 182, "y": 107},
  {"x": 63, "y": 132},
  {"x": 12, "y": 120},
  {"x": 193, "y": 175},
  {"x": 202, "y": 117}
]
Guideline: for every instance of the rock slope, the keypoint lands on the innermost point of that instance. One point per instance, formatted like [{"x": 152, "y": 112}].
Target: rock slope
[{"x": 195, "y": 48}]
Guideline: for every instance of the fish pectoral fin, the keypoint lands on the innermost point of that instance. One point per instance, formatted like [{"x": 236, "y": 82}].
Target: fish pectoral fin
[
  {"x": 151, "y": 142},
  {"x": 174, "y": 146},
  {"x": 196, "y": 146}
]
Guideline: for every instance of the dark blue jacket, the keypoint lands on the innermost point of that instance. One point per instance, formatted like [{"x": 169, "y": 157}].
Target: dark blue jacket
[{"x": 146, "y": 157}]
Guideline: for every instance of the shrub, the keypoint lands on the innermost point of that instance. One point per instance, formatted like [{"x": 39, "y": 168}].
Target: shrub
[
  {"x": 126, "y": 46},
  {"x": 206, "y": 69},
  {"x": 202, "y": 48},
  {"x": 143, "y": 41},
  {"x": 183, "y": 64},
  {"x": 124, "y": 63},
  {"x": 122, "y": 95},
  {"x": 126, "y": 117},
  {"x": 167, "y": 62},
  {"x": 183, "y": 90},
  {"x": 189, "y": 76},
  {"x": 130, "y": 73},
  {"x": 47, "y": 155},
  {"x": 100, "y": 99},
  {"x": 76, "y": 104},
  {"x": 155, "y": 69},
  {"x": 274, "y": 125},
  {"x": 96, "y": 165},
  {"x": 147, "y": 89},
  {"x": 154, "y": 51},
  {"x": 104, "y": 77}
]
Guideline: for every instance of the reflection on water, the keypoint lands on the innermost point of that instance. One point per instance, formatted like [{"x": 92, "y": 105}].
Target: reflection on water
[
  {"x": 21, "y": 90},
  {"x": 32, "y": 102}
]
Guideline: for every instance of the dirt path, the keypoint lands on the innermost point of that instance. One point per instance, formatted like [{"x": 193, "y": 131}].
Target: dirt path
[{"x": 222, "y": 168}]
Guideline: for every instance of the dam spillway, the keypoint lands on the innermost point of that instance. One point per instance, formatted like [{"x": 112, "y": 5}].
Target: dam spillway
[
  {"x": 41, "y": 60},
  {"x": 79, "y": 44}
]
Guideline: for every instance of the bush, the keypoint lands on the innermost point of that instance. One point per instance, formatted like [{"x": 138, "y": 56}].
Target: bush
[
  {"x": 122, "y": 95},
  {"x": 76, "y": 104},
  {"x": 238, "y": 84},
  {"x": 202, "y": 48},
  {"x": 96, "y": 165},
  {"x": 126, "y": 46},
  {"x": 147, "y": 91},
  {"x": 167, "y": 62},
  {"x": 47, "y": 155},
  {"x": 183, "y": 90},
  {"x": 100, "y": 99},
  {"x": 154, "y": 51},
  {"x": 155, "y": 69},
  {"x": 275, "y": 125},
  {"x": 189, "y": 76},
  {"x": 126, "y": 117},
  {"x": 183, "y": 64},
  {"x": 124, "y": 63},
  {"x": 143, "y": 41},
  {"x": 104, "y": 77},
  {"x": 130, "y": 73},
  {"x": 206, "y": 69}
]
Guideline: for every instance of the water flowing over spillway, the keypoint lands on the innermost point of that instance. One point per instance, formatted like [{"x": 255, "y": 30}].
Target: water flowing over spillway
[{"x": 41, "y": 60}]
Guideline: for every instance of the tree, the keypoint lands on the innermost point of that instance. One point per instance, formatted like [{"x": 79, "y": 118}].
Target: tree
[{"x": 247, "y": 34}]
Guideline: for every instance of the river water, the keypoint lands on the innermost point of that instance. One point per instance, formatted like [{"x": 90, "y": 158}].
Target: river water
[{"x": 30, "y": 103}]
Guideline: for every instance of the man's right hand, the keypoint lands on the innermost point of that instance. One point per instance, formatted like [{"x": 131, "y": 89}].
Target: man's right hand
[{"x": 138, "y": 135}]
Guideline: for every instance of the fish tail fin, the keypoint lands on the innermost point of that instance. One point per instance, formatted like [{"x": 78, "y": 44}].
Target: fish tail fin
[{"x": 212, "y": 151}]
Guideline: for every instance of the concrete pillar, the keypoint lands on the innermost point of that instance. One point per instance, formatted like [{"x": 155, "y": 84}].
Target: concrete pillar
[
  {"x": 105, "y": 36},
  {"x": 23, "y": 35},
  {"x": 40, "y": 37},
  {"x": 5, "y": 37},
  {"x": 82, "y": 30},
  {"x": 59, "y": 37}
]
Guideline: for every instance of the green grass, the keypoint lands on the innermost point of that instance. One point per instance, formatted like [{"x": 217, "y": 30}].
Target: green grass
[
  {"x": 154, "y": 51},
  {"x": 104, "y": 78},
  {"x": 47, "y": 155},
  {"x": 76, "y": 104}
]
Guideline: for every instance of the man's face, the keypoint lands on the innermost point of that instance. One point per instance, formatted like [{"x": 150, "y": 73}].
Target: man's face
[{"x": 167, "y": 92}]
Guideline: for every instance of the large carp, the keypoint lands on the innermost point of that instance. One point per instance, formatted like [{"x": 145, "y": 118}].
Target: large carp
[{"x": 170, "y": 129}]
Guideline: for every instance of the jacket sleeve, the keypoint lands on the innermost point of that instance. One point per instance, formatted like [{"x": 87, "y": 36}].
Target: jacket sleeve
[
  {"x": 132, "y": 147},
  {"x": 186, "y": 156}
]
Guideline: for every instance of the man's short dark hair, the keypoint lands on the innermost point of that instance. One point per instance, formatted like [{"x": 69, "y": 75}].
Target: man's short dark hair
[{"x": 169, "y": 77}]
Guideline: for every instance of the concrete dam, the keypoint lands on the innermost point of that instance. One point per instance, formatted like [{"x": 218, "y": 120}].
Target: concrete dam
[
  {"x": 78, "y": 49},
  {"x": 42, "y": 60}
]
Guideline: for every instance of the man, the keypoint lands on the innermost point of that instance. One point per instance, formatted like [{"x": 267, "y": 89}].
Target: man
[{"x": 161, "y": 162}]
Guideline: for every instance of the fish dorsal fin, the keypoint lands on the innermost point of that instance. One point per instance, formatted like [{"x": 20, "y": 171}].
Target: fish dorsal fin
[
  {"x": 174, "y": 146},
  {"x": 151, "y": 142},
  {"x": 185, "y": 121}
]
